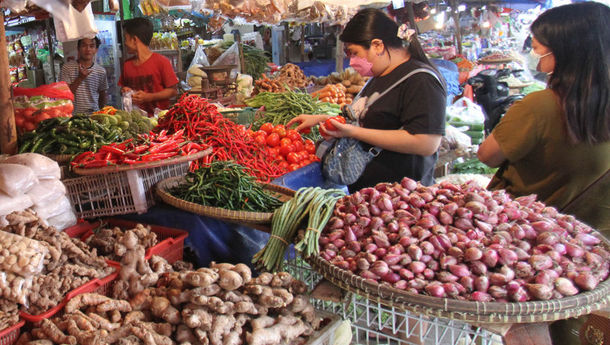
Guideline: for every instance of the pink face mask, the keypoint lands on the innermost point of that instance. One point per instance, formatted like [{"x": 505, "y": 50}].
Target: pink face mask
[{"x": 362, "y": 66}]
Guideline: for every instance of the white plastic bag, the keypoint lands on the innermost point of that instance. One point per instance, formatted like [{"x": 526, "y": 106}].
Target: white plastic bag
[
  {"x": 16, "y": 179},
  {"x": 465, "y": 110},
  {"x": 60, "y": 9},
  {"x": 54, "y": 208},
  {"x": 199, "y": 59},
  {"x": 10, "y": 204},
  {"x": 78, "y": 25},
  {"x": 62, "y": 221},
  {"x": 46, "y": 192},
  {"x": 230, "y": 57},
  {"x": 44, "y": 167},
  {"x": 456, "y": 138}
]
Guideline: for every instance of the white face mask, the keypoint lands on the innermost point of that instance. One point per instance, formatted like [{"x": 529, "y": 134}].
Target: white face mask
[{"x": 534, "y": 61}]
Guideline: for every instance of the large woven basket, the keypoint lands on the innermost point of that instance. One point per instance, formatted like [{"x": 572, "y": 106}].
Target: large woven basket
[
  {"x": 126, "y": 167},
  {"x": 470, "y": 311},
  {"x": 242, "y": 217},
  {"x": 60, "y": 159}
]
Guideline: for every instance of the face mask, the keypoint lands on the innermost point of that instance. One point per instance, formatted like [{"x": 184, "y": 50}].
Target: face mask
[
  {"x": 362, "y": 66},
  {"x": 535, "y": 60}
]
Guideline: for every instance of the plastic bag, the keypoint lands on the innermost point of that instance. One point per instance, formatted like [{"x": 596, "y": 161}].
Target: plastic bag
[
  {"x": 128, "y": 103},
  {"x": 21, "y": 255},
  {"x": 465, "y": 110},
  {"x": 16, "y": 179},
  {"x": 33, "y": 105},
  {"x": 200, "y": 58},
  {"x": 79, "y": 24},
  {"x": 10, "y": 204},
  {"x": 230, "y": 57},
  {"x": 62, "y": 221},
  {"x": 53, "y": 209},
  {"x": 43, "y": 166},
  {"x": 456, "y": 138},
  {"x": 58, "y": 8},
  {"x": 184, "y": 5},
  {"x": 15, "y": 6},
  {"x": 15, "y": 288},
  {"x": 46, "y": 192}
]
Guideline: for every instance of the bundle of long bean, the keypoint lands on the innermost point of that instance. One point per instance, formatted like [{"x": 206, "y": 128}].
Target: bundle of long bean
[
  {"x": 320, "y": 210},
  {"x": 202, "y": 121},
  {"x": 308, "y": 201},
  {"x": 283, "y": 107},
  {"x": 225, "y": 185}
]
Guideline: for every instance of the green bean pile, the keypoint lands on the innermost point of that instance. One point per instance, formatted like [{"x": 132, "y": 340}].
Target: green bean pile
[
  {"x": 225, "y": 184},
  {"x": 317, "y": 203},
  {"x": 284, "y": 106}
]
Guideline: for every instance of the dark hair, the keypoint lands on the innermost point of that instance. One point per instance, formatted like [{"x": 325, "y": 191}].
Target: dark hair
[
  {"x": 578, "y": 35},
  {"x": 98, "y": 43},
  {"x": 142, "y": 28},
  {"x": 370, "y": 24}
]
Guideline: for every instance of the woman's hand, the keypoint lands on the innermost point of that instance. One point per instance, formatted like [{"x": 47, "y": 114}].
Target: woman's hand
[
  {"x": 306, "y": 121},
  {"x": 343, "y": 129}
]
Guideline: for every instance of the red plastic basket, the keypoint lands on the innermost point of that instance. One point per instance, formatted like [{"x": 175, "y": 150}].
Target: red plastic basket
[
  {"x": 101, "y": 286},
  {"x": 80, "y": 229},
  {"x": 9, "y": 335}
]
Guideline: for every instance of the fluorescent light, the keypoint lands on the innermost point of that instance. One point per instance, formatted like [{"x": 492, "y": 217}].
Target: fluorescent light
[
  {"x": 486, "y": 24},
  {"x": 433, "y": 11},
  {"x": 438, "y": 26},
  {"x": 461, "y": 8}
]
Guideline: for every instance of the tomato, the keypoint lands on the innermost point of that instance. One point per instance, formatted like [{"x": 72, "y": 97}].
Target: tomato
[
  {"x": 298, "y": 145},
  {"x": 285, "y": 142},
  {"x": 314, "y": 158},
  {"x": 293, "y": 157},
  {"x": 250, "y": 132},
  {"x": 273, "y": 139},
  {"x": 293, "y": 135},
  {"x": 280, "y": 130},
  {"x": 28, "y": 112},
  {"x": 41, "y": 117},
  {"x": 329, "y": 124},
  {"x": 305, "y": 130},
  {"x": 309, "y": 142},
  {"x": 294, "y": 167},
  {"x": 19, "y": 121},
  {"x": 310, "y": 148},
  {"x": 284, "y": 165},
  {"x": 305, "y": 162},
  {"x": 29, "y": 126},
  {"x": 260, "y": 139},
  {"x": 323, "y": 132},
  {"x": 259, "y": 132},
  {"x": 54, "y": 112},
  {"x": 273, "y": 152},
  {"x": 267, "y": 127},
  {"x": 285, "y": 150}
]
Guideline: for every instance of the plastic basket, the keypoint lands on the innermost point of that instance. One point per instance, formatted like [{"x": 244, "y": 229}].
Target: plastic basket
[
  {"x": 326, "y": 334},
  {"x": 9, "y": 335},
  {"x": 170, "y": 246},
  {"x": 120, "y": 192},
  {"x": 100, "y": 286}
]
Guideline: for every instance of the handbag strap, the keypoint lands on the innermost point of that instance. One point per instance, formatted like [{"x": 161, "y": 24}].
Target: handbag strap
[{"x": 375, "y": 150}]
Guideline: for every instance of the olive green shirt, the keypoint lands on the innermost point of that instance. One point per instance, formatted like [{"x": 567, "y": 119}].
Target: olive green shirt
[{"x": 542, "y": 161}]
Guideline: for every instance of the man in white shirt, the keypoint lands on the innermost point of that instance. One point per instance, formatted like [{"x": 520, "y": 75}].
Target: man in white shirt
[{"x": 86, "y": 78}]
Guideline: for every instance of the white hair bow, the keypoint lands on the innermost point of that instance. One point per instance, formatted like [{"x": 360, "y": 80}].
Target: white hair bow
[{"x": 404, "y": 33}]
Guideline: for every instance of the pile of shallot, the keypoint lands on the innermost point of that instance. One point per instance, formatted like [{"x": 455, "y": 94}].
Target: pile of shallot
[{"x": 463, "y": 242}]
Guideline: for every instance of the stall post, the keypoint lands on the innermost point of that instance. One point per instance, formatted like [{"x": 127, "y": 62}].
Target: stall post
[
  {"x": 456, "y": 20},
  {"x": 8, "y": 132},
  {"x": 51, "y": 49},
  {"x": 339, "y": 54}
]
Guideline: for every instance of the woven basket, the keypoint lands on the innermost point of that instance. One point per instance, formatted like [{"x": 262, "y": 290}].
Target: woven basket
[
  {"x": 60, "y": 159},
  {"x": 242, "y": 217},
  {"x": 126, "y": 167},
  {"x": 470, "y": 311}
]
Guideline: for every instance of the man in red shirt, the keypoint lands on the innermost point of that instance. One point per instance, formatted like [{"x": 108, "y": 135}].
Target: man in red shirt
[{"x": 149, "y": 74}]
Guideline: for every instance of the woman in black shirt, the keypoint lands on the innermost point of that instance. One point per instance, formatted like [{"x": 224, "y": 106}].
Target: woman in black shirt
[{"x": 407, "y": 122}]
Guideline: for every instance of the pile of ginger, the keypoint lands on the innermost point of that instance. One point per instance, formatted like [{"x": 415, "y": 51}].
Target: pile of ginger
[{"x": 218, "y": 305}]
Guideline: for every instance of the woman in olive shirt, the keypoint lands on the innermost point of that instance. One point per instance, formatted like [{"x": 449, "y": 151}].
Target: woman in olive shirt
[{"x": 555, "y": 143}]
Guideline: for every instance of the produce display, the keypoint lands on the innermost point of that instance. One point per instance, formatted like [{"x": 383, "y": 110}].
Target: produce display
[
  {"x": 21, "y": 255},
  {"x": 463, "y": 242},
  {"x": 9, "y": 313},
  {"x": 289, "y": 77},
  {"x": 69, "y": 264},
  {"x": 283, "y": 107},
  {"x": 312, "y": 202},
  {"x": 286, "y": 146},
  {"x": 202, "y": 122},
  {"x": 146, "y": 148},
  {"x": 33, "y": 106},
  {"x": 219, "y": 305},
  {"x": 333, "y": 93},
  {"x": 130, "y": 124},
  {"x": 107, "y": 241},
  {"x": 255, "y": 59},
  {"x": 68, "y": 135},
  {"x": 227, "y": 185},
  {"x": 350, "y": 78}
]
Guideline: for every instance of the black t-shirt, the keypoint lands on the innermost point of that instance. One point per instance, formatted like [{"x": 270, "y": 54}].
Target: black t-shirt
[{"x": 416, "y": 105}]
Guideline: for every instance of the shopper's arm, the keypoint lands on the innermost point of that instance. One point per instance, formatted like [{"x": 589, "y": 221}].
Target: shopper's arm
[
  {"x": 490, "y": 152},
  {"x": 145, "y": 97},
  {"x": 397, "y": 140}
]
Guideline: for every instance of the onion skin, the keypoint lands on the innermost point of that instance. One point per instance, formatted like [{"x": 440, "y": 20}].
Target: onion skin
[
  {"x": 540, "y": 291},
  {"x": 565, "y": 286},
  {"x": 435, "y": 290},
  {"x": 472, "y": 254},
  {"x": 586, "y": 281},
  {"x": 481, "y": 283},
  {"x": 490, "y": 258},
  {"x": 480, "y": 296}
]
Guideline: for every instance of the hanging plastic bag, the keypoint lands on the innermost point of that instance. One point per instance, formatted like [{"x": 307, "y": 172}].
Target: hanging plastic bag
[
  {"x": 80, "y": 24},
  {"x": 230, "y": 57},
  {"x": 200, "y": 59},
  {"x": 60, "y": 9}
]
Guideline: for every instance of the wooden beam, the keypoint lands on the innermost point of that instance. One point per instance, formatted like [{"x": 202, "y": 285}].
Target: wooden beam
[
  {"x": 8, "y": 132},
  {"x": 456, "y": 19},
  {"x": 339, "y": 52}
]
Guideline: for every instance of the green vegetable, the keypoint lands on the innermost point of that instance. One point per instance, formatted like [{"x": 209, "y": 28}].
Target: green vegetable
[
  {"x": 472, "y": 166},
  {"x": 225, "y": 184}
]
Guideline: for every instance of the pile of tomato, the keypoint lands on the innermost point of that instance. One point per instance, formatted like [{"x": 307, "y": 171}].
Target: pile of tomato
[{"x": 286, "y": 146}]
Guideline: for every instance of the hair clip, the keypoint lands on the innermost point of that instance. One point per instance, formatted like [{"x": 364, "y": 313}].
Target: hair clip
[{"x": 404, "y": 33}]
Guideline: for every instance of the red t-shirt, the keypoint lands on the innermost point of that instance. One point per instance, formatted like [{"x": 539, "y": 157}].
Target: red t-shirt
[{"x": 154, "y": 75}]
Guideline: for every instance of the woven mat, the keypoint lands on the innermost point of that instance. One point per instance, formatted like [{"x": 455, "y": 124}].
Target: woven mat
[
  {"x": 242, "y": 217},
  {"x": 147, "y": 165}
]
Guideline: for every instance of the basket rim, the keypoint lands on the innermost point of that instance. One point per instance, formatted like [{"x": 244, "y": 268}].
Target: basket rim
[
  {"x": 60, "y": 158},
  {"x": 217, "y": 212},
  {"x": 140, "y": 166},
  {"x": 8, "y": 330}
]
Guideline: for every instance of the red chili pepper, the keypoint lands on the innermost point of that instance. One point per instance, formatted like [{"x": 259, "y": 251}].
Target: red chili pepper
[
  {"x": 129, "y": 161},
  {"x": 112, "y": 149},
  {"x": 98, "y": 163},
  {"x": 140, "y": 148},
  {"x": 164, "y": 147},
  {"x": 158, "y": 156},
  {"x": 81, "y": 157}
]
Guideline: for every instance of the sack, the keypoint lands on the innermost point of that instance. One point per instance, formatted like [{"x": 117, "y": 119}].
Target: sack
[
  {"x": 46, "y": 192},
  {"x": 345, "y": 161},
  {"x": 10, "y": 204},
  {"x": 62, "y": 221},
  {"x": 16, "y": 179},
  {"x": 55, "y": 208},
  {"x": 44, "y": 167}
]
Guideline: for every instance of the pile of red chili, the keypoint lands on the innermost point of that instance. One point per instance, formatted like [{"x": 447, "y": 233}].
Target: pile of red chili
[
  {"x": 201, "y": 121},
  {"x": 146, "y": 148}
]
